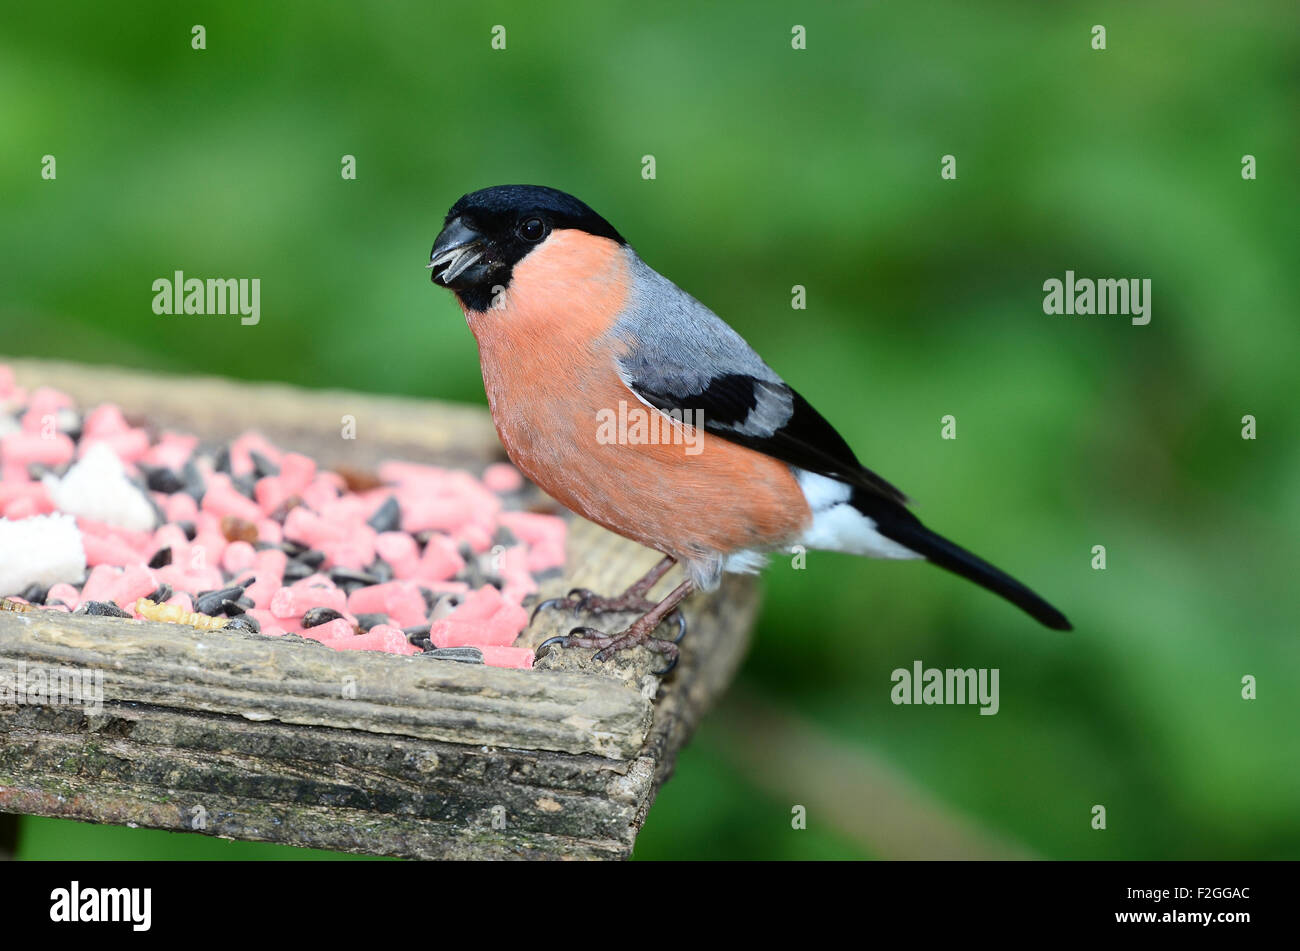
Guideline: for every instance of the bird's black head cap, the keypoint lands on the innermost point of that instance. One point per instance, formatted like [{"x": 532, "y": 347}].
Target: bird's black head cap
[
  {"x": 506, "y": 205},
  {"x": 489, "y": 231}
]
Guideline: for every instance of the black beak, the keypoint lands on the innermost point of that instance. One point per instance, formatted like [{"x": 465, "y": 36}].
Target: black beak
[{"x": 457, "y": 249}]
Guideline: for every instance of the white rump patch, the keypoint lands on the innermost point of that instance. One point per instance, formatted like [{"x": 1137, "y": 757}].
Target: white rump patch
[{"x": 838, "y": 526}]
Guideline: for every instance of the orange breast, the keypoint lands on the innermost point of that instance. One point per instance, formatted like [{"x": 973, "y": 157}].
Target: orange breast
[{"x": 572, "y": 426}]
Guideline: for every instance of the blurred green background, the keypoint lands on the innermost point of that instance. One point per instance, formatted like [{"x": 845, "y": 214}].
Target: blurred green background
[{"x": 778, "y": 167}]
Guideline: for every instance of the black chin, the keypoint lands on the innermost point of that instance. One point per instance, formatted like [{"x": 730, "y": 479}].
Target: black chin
[{"x": 475, "y": 295}]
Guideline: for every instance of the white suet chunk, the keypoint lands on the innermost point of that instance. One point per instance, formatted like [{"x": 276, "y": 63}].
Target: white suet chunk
[
  {"x": 96, "y": 487},
  {"x": 42, "y": 549}
]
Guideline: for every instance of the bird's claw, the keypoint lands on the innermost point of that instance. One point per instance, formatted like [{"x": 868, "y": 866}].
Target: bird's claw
[
  {"x": 577, "y": 599},
  {"x": 605, "y": 645},
  {"x": 580, "y": 596},
  {"x": 541, "y": 605},
  {"x": 681, "y": 631},
  {"x": 545, "y": 646},
  {"x": 578, "y": 637},
  {"x": 672, "y": 663},
  {"x": 582, "y": 600}
]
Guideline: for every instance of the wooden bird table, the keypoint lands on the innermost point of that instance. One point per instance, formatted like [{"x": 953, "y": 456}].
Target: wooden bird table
[{"x": 282, "y": 739}]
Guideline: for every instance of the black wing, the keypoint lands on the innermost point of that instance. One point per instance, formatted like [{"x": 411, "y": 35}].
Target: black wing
[{"x": 770, "y": 417}]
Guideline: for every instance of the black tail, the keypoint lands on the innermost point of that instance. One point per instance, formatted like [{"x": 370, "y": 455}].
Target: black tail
[{"x": 903, "y": 527}]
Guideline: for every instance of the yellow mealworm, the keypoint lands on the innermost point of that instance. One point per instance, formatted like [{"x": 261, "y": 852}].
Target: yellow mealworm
[
  {"x": 19, "y": 606},
  {"x": 153, "y": 611}
]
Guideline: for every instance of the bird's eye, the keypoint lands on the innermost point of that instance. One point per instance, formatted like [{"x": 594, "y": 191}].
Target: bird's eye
[{"x": 532, "y": 229}]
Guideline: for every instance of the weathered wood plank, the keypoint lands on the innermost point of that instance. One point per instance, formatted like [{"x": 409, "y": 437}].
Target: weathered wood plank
[
  {"x": 235, "y": 775},
  {"x": 296, "y": 680}
]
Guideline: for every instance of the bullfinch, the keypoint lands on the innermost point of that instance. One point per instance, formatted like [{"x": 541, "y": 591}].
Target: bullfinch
[{"x": 725, "y": 462}]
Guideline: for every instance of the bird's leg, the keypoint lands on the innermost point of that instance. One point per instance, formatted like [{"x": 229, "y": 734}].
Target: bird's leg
[
  {"x": 633, "y": 599},
  {"x": 639, "y": 632}
]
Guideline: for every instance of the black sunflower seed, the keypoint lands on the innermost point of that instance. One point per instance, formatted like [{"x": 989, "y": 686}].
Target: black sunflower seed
[
  {"x": 296, "y": 571},
  {"x": 101, "y": 609},
  {"x": 243, "y": 485},
  {"x": 161, "y": 593},
  {"x": 344, "y": 577},
  {"x": 465, "y": 655},
  {"x": 417, "y": 634},
  {"x": 381, "y": 570},
  {"x": 162, "y": 479},
  {"x": 211, "y": 602},
  {"x": 262, "y": 466},
  {"x": 367, "y": 621},
  {"x": 195, "y": 487},
  {"x": 244, "y": 622},
  {"x": 312, "y": 558},
  {"x": 34, "y": 593},
  {"x": 387, "y": 517},
  {"x": 314, "y": 617}
]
